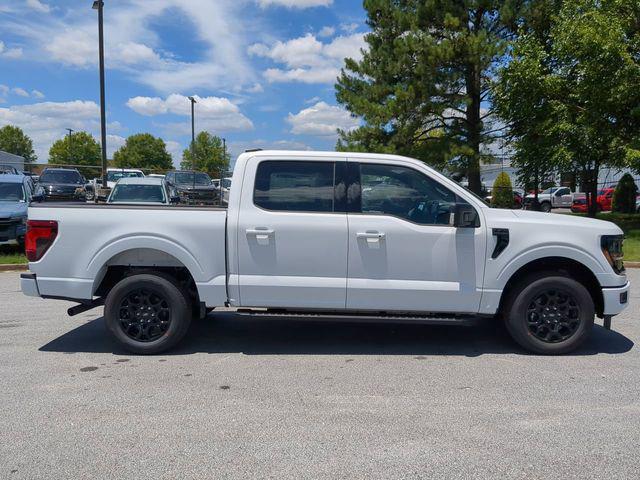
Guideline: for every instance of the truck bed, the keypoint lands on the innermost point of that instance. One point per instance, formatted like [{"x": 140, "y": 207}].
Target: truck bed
[{"x": 88, "y": 244}]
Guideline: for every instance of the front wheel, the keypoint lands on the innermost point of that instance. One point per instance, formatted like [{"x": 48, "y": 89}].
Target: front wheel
[
  {"x": 147, "y": 313},
  {"x": 545, "y": 207},
  {"x": 549, "y": 314}
]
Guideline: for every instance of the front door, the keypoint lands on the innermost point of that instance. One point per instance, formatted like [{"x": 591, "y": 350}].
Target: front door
[
  {"x": 291, "y": 238},
  {"x": 403, "y": 253}
]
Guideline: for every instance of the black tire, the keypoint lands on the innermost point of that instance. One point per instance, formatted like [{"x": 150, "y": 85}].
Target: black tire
[
  {"x": 545, "y": 207},
  {"x": 564, "y": 324},
  {"x": 159, "y": 309}
]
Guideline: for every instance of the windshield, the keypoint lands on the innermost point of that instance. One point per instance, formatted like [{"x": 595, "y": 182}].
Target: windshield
[
  {"x": 137, "y": 193},
  {"x": 11, "y": 192},
  {"x": 61, "y": 176},
  {"x": 114, "y": 176},
  {"x": 188, "y": 178},
  {"x": 550, "y": 190}
]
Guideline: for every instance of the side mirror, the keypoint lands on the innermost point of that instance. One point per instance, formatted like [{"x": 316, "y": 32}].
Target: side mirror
[
  {"x": 174, "y": 200},
  {"x": 465, "y": 216},
  {"x": 38, "y": 197}
]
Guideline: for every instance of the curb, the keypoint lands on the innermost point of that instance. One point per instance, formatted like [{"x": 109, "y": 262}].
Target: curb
[
  {"x": 15, "y": 267},
  {"x": 632, "y": 264}
]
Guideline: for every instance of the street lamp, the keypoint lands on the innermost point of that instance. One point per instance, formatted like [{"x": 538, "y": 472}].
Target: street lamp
[
  {"x": 70, "y": 130},
  {"x": 193, "y": 133},
  {"x": 99, "y": 6}
]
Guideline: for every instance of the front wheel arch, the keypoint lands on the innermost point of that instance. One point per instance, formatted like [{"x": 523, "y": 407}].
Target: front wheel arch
[{"x": 562, "y": 266}]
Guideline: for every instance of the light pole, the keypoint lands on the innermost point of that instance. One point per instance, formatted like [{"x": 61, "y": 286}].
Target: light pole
[
  {"x": 193, "y": 132},
  {"x": 99, "y": 5},
  {"x": 70, "y": 130}
]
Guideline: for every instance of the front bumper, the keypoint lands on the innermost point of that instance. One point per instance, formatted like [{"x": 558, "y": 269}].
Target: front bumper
[
  {"x": 616, "y": 299},
  {"x": 29, "y": 285}
]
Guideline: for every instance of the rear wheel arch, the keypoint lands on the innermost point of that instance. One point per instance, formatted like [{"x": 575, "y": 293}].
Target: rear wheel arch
[
  {"x": 145, "y": 261},
  {"x": 556, "y": 266}
]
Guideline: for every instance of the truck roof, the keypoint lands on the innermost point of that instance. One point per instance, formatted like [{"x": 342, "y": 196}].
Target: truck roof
[{"x": 141, "y": 181}]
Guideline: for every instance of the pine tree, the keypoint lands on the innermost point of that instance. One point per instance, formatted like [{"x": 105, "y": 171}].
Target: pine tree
[
  {"x": 423, "y": 85},
  {"x": 502, "y": 193}
]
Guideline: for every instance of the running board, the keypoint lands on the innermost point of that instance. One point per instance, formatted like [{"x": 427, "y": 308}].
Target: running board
[{"x": 466, "y": 320}]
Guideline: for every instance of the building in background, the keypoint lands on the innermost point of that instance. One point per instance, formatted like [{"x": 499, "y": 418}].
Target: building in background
[{"x": 12, "y": 160}]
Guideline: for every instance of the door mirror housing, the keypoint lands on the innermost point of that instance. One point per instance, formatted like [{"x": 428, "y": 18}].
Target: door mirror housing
[{"x": 465, "y": 216}]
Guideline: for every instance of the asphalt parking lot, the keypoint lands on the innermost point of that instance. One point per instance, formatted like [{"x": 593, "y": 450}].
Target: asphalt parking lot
[{"x": 248, "y": 398}]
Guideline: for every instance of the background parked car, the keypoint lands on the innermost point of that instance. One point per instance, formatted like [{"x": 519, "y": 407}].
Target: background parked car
[
  {"x": 143, "y": 191},
  {"x": 225, "y": 188},
  {"x": 115, "y": 174},
  {"x": 604, "y": 201},
  {"x": 16, "y": 191},
  {"x": 62, "y": 184},
  {"x": 194, "y": 188},
  {"x": 554, "y": 197}
]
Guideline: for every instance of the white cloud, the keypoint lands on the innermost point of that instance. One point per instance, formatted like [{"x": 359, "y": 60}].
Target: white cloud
[
  {"x": 175, "y": 150},
  {"x": 327, "y": 32},
  {"x": 20, "y": 91},
  {"x": 349, "y": 27},
  {"x": 9, "y": 52},
  {"x": 312, "y": 100},
  {"x": 4, "y": 90},
  {"x": 308, "y": 60},
  {"x": 295, "y": 3},
  {"x": 114, "y": 142},
  {"x": 134, "y": 45},
  {"x": 45, "y": 122},
  {"x": 212, "y": 113},
  {"x": 37, "y": 93},
  {"x": 321, "y": 120},
  {"x": 38, "y": 6},
  {"x": 256, "y": 88}
]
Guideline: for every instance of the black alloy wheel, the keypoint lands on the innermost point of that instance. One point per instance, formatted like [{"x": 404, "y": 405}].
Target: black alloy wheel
[
  {"x": 144, "y": 315},
  {"x": 553, "y": 316}
]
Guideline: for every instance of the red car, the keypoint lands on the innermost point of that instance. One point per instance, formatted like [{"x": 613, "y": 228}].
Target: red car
[{"x": 603, "y": 200}]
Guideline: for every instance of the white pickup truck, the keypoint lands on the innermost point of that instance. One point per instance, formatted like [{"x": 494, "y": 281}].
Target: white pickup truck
[
  {"x": 553, "y": 197},
  {"x": 353, "y": 236}
]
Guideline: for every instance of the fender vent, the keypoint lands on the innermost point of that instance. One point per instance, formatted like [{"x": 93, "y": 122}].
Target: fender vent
[{"x": 502, "y": 240}]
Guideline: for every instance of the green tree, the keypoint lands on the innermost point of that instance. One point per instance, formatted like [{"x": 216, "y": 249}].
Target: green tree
[
  {"x": 423, "y": 84},
  {"x": 14, "y": 140},
  {"x": 208, "y": 155},
  {"x": 78, "y": 148},
  {"x": 502, "y": 192},
  {"x": 145, "y": 151},
  {"x": 624, "y": 196},
  {"x": 570, "y": 98}
]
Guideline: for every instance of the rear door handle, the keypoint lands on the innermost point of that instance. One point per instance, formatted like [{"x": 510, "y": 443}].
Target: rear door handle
[
  {"x": 261, "y": 233},
  {"x": 371, "y": 236}
]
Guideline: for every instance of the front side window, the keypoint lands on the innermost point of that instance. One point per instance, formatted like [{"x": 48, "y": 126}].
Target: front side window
[
  {"x": 405, "y": 193},
  {"x": 190, "y": 178},
  {"x": 294, "y": 186}
]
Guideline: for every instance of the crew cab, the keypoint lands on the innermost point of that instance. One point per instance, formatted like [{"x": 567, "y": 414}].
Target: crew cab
[{"x": 352, "y": 236}]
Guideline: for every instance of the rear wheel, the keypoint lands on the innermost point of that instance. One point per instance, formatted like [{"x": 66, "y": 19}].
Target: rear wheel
[
  {"x": 549, "y": 314},
  {"x": 147, "y": 313}
]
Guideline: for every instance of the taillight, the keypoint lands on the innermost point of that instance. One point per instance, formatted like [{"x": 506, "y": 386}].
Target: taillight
[{"x": 40, "y": 236}]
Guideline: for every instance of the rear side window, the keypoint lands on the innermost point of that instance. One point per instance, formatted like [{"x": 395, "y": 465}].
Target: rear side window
[{"x": 294, "y": 186}]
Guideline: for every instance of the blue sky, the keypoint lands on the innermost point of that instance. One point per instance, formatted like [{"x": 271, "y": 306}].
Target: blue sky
[{"x": 263, "y": 70}]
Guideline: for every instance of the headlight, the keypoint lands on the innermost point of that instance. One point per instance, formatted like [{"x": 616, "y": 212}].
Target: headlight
[{"x": 612, "y": 250}]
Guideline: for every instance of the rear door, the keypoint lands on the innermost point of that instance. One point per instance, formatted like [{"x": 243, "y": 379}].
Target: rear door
[{"x": 291, "y": 237}]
